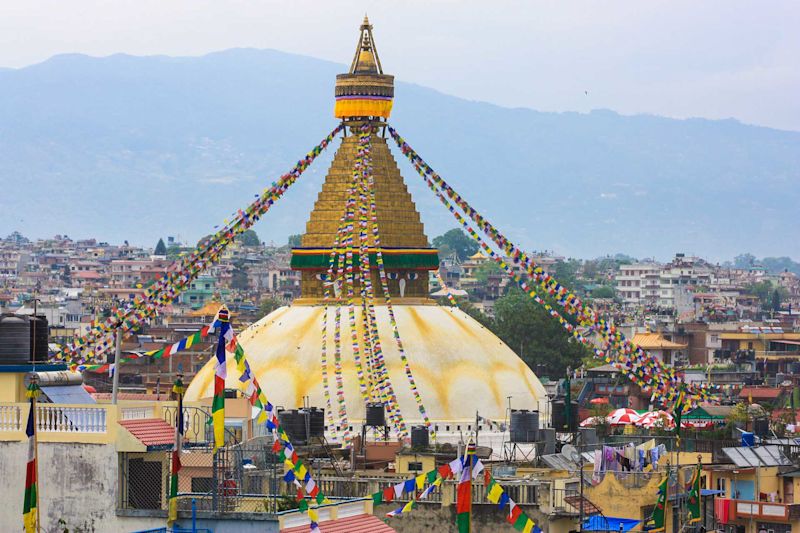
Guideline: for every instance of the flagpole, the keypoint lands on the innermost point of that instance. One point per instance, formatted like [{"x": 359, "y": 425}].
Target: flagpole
[{"x": 35, "y": 381}]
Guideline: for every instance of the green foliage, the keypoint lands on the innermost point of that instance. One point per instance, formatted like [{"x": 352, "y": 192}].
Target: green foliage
[
  {"x": 174, "y": 251},
  {"x": 249, "y": 238},
  {"x": 161, "y": 248},
  {"x": 295, "y": 241},
  {"x": 775, "y": 302},
  {"x": 538, "y": 339},
  {"x": 746, "y": 260},
  {"x": 456, "y": 241},
  {"x": 769, "y": 295},
  {"x": 488, "y": 268},
  {"x": 268, "y": 305},
  {"x": 738, "y": 415},
  {"x": 603, "y": 291},
  {"x": 566, "y": 272}
]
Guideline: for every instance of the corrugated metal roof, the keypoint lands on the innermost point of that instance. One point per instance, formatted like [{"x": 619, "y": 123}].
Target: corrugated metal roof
[
  {"x": 74, "y": 394},
  {"x": 150, "y": 431},
  {"x": 756, "y": 456},
  {"x": 352, "y": 524}
]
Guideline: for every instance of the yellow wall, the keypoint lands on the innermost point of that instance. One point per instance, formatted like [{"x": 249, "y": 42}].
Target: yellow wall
[
  {"x": 12, "y": 387},
  {"x": 402, "y": 461},
  {"x": 626, "y": 501}
]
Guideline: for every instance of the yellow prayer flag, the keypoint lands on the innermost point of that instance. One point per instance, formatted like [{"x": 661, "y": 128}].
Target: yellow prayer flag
[
  {"x": 528, "y": 526},
  {"x": 494, "y": 493},
  {"x": 313, "y": 515},
  {"x": 420, "y": 481}
]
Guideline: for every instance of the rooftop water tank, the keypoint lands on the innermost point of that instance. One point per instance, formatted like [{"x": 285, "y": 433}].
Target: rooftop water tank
[
  {"x": 15, "y": 340},
  {"x": 524, "y": 425}
]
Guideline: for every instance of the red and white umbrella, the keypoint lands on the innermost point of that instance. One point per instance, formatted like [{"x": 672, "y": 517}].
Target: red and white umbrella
[
  {"x": 653, "y": 419},
  {"x": 623, "y": 417}
]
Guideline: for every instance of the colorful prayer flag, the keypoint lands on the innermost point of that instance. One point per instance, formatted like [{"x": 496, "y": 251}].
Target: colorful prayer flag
[
  {"x": 172, "y": 513},
  {"x": 221, "y": 372},
  {"x": 30, "y": 513}
]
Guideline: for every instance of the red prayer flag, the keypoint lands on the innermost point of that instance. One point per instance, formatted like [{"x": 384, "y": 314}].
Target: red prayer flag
[{"x": 515, "y": 512}]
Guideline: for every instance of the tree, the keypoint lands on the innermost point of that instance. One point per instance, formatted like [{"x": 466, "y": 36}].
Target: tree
[
  {"x": 566, "y": 272},
  {"x": 161, "y": 248},
  {"x": 603, "y": 291},
  {"x": 295, "y": 241},
  {"x": 456, "y": 241},
  {"x": 775, "y": 303},
  {"x": 539, "y": 339},
  {"x": 486, "y": 269},
  {"x": 744, "y": 260},
  {"x": 249, "y": 238}
]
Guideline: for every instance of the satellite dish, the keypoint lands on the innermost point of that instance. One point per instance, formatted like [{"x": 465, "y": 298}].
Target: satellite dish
[{"x": 570, "y": 453}]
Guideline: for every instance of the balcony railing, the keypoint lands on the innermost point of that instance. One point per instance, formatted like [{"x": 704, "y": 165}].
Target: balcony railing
[
  {"x": 73, "y": 419},
  {"x": 766, "y": 510},
  {"x": 10, "y": 418},
  {"x": 56, "y": 418}
]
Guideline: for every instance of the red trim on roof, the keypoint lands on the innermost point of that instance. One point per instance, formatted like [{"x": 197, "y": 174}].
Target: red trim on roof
[
  {"x": 767, "y": 393},
  {"x": 365, "y": 523},
  {"x": 150, "y": 431}
]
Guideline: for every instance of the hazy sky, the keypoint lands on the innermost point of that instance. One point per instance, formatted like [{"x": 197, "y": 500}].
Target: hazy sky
[{"x": 714, "y": 59}]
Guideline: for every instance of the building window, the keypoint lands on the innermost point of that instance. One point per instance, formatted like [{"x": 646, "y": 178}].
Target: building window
[
  {"x": 415, "y": 466},
  {"x": 201, "y": 484}
]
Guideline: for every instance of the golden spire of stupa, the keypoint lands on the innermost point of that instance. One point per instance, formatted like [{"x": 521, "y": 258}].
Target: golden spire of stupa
[{"x": 404, "y": 246}]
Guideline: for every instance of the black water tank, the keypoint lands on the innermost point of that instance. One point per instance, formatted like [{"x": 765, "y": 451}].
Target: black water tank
[
  {"x": 419, "y": 437},
  {"x": 524, "y": 425},
  {"x": 42, "y": 333},
  {"x": 293, "y": 423},
  {"x": 761, "y": 427},
  {"x": 376, "y": 416},
  {"x": 559, "y": 416},
  {"x": 316, "y": 422},
  {"x": 15, "y": 340}
]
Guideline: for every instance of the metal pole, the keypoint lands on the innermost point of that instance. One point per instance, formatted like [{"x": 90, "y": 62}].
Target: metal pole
[
  {"x": 580, "y": 473},
  {"x": 35, "y": 379},
  {"x": 115, "y": 379},
  {"x": 194, "y": 515}
]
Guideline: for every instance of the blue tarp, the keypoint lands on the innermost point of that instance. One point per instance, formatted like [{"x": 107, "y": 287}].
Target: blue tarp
[{"x": 609, "y": 523}]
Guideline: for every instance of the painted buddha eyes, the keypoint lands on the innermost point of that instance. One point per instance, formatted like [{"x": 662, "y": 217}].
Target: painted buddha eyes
[
  {"x": 322, "y": 277},
  {"x": 408, "y": 275}
]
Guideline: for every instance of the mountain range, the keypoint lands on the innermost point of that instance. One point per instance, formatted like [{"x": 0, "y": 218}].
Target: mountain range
[{"x": 137, "y": 148}]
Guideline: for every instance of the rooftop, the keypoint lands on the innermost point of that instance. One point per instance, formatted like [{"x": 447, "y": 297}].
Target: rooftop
[
  {"x": 351, "y": 524},
  {"x": 655, "y": 341},
  {"x": 150, "y": 431}
]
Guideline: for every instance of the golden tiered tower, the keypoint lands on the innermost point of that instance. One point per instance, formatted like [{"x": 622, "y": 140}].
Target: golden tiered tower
[
  {"x": 363, "y": 97},
  {"x": 459, "y": 366}
]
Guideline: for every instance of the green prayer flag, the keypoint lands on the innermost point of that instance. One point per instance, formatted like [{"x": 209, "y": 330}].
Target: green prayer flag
[
  {"x": 694, "y": 497},
  {"x": 302, "y": 505},
  {"x": 519, "y": 523},
  {"x": 656, "y": 521},
  {"x": 320, "y": 498},
  {"x": 377, "y": 497},
  {"x": 431, "y": 476}
]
